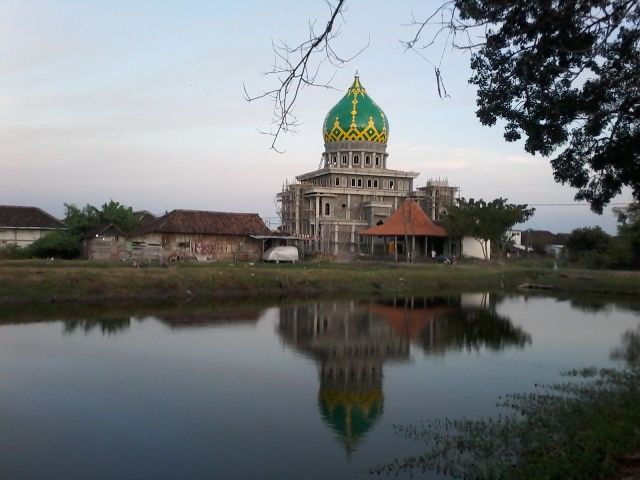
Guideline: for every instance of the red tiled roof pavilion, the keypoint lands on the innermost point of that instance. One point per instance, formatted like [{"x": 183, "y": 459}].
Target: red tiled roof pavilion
[{"x": 410, "y": 220}]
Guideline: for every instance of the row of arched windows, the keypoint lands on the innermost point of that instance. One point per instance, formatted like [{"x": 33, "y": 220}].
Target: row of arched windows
[
  {"x": 371, "y": 183},
  {"x": 344, "y": 160}
]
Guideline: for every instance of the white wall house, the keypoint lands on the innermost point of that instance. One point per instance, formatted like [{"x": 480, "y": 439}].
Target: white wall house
[{"x": 22, "y": 226}]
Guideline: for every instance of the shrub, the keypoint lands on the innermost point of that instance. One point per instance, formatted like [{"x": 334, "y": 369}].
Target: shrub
[
  {"x": 57, "y": 245},
  {"x": 14, "y": 252}
]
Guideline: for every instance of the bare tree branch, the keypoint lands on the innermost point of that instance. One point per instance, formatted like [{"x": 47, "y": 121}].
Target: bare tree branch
[{"x": 295, "y": 70}]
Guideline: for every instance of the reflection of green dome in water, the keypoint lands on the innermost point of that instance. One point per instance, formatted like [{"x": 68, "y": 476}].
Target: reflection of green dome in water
[
  {"x": 356, "y": 118},
  {"x": 350, "y": 414}
]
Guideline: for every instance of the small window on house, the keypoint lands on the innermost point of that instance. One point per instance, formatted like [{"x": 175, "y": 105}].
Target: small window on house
[
  {"x": 334, "y": 160},
  {"x": 390, "y": 184},
  {"x": 377, "y": 160},
  {"x": 327, "y": 209},
  {"x": 356, "y": 159},
  {"x": 375, "y": 184},
  {"x": 353, "y": 182},
  {"x": 337, "y": 181},
  {"x": 359, "y": 183},
  {"x": 369, "y": 183},
  {"x": 367, "y": 160},
  {"x": 344, "y": 205},
  {"x": 344, "y": 159}
]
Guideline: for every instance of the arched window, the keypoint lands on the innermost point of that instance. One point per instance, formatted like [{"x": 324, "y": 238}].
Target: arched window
[
  {"x": 375, "y": 184},
  {"x": 337, "y": 181},
  {"x": 377, "y": 160},
  {"x": 369, "y": 183},
  {"x": 353, "y": 182},
  {"x": 334, "y": 160},
  {"x": 356, "y": 159},
  {"x": 327, "y": 209},
  {"x": 344, "y": 159},
  {"x": 390, "y": 184},
  {"x": 359, "y": 183},
  {"x": 367, "y": 160}
]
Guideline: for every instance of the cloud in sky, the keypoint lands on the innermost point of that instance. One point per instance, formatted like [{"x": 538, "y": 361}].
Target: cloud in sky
[{"x": 143, "y": 102}]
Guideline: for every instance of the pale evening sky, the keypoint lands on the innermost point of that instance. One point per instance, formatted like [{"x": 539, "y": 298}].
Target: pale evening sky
[{"x": 142, "y": 102}]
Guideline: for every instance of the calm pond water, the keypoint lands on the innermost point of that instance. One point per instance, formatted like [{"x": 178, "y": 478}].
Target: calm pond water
[{"x": 292, "y": 390}]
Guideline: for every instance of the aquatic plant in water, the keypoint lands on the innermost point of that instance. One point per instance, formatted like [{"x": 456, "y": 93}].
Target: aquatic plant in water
[{"x": 576, "y": 429}]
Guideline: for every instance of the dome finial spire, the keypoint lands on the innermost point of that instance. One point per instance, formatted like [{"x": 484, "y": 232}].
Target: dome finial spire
[{"x": 357, "y": 74}]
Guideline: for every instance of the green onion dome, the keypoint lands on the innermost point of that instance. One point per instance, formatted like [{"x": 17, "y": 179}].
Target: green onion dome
[{"x": 356, "y": 118}]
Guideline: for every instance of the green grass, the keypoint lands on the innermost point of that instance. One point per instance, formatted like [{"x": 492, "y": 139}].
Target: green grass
[{"x": 64, "y": 281}]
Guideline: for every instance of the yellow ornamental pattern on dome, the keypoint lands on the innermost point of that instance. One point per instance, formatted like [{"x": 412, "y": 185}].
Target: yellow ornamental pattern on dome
[
  {"x": 368, "y": 134},
  {"x": 356, "y": 118}
]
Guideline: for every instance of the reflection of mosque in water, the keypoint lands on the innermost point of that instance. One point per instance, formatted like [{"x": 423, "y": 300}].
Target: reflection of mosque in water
[
  {"x": 352, "y": 341},
  {"x": 351, "y": 345}
]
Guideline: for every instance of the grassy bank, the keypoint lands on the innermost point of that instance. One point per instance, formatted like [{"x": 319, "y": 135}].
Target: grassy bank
[{"x": 78, "y": 281}]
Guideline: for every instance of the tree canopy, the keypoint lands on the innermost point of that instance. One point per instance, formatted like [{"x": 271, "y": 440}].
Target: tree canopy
[
  {"x": 81, "y": 220},
  {"x": 485, "y": 222},
  {"x": 629, "y": 230},
  {"x": 588, "y": 239},
  {"x": 562, "y": 76},
  {"x": 68, "y": 244}
]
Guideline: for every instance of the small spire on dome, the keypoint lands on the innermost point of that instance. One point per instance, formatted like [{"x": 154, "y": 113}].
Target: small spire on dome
[{"x": 356, "y": 80}]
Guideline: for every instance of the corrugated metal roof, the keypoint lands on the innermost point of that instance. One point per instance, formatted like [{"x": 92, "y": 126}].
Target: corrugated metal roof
[{"x": 13, "y": 216}]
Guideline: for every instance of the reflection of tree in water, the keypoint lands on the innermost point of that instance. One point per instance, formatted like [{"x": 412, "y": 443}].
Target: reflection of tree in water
[
  {"x": 472, "y": 330},
  {"x": 108, "y": 326},
  {"x": 465, "y": 322},
  {"x": 629, "y": 351}
]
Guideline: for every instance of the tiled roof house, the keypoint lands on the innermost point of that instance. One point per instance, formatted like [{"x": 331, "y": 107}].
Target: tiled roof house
[
  {"x": 21, "y": 226},
  {"x": 201, "y": 235}
]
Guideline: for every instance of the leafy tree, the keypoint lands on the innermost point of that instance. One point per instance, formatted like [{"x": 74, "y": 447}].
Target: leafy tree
[
  {"x": 629, "y": 230},
  {"x": 561, "y": 75},
  {"x": 68, "y": 244},
  {"x": 564, "y": 75},
  {"x": 588, "y": 239},
  {"x": 81, "y": 220},
  {"x": 485, "y": 222}
]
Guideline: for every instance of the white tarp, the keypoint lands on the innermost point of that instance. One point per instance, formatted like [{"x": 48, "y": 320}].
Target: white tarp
[{"x": 281, "y": 254}]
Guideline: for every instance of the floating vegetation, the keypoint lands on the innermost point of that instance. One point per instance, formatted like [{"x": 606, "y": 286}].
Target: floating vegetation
[{"x": 577, "y": 429}]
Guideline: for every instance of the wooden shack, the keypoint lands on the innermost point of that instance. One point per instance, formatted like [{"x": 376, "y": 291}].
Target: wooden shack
[{"x": 105, "y": 242}]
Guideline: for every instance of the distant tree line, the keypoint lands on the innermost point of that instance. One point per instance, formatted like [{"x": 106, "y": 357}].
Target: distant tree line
[{"x": 592, "y": 247}]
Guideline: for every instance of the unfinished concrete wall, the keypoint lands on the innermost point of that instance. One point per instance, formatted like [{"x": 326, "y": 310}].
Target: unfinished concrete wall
[{"x": 22, "y": 237}]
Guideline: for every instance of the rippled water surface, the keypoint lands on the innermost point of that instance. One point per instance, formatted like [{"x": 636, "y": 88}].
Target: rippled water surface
[{"x": 291, "y": 390}]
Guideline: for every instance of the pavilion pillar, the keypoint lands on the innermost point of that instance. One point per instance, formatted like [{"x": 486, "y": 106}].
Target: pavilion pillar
[
  {"x": 395, "y": 246},
  {"x": 413, "y": 248},
  {"x": 353, "y": 239}
]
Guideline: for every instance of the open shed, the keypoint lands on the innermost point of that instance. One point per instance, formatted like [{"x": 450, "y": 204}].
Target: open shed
[{"x": 408, "y": 233}]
